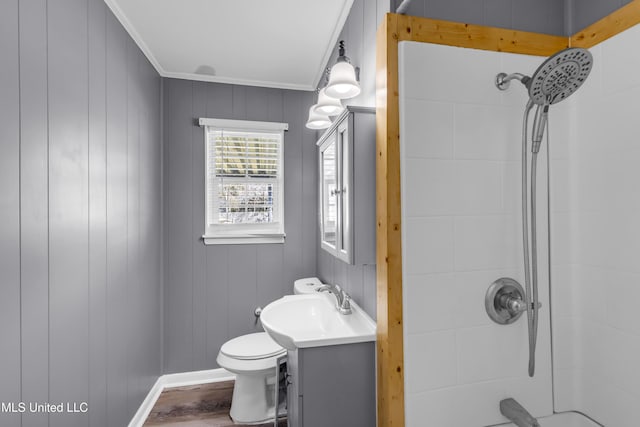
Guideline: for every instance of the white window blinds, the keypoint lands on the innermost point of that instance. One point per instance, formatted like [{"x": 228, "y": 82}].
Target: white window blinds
[
  {"x": 243, "y": 177},
  {"x": 244, "y": 181}
]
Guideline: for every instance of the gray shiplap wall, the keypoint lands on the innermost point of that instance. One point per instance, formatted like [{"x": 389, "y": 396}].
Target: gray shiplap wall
[
  {"x": 80, "y": 193},
  {"x": 359, "y": 34},
  {"x": 212, "y": 291}
]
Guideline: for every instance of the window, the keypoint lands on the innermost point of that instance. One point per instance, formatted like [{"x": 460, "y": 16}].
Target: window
[{"x": 244, "y": 181}]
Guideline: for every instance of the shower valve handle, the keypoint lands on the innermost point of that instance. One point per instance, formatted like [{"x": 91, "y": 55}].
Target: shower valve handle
[
  {"x": 513, "y": 303},
  {"x": 516, "y": 305}
]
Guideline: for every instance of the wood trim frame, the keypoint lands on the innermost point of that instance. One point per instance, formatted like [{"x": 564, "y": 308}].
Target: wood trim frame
[
  {"x": 426, "y": 30},
  {"x": 390, "y": 339},
  {"x": 620, "y": 20},
  {"x": 394, "y": 29}
]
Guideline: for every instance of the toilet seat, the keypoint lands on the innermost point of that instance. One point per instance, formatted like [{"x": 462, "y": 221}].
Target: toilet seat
[
  {"x": 250, "y": 354},
  {"x": 252, "y": 347}
]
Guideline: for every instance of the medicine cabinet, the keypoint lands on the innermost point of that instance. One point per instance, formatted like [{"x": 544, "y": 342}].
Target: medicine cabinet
[{"x": 347, "y": 186}]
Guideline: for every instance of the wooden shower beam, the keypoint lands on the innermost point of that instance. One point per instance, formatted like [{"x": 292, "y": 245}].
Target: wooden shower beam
[
  {"x": 619, "y": 21},
  {"x": 426, "y": 30}
]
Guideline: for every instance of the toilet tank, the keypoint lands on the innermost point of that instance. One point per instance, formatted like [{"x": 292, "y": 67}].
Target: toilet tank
[{"x": 307, "y": 285}]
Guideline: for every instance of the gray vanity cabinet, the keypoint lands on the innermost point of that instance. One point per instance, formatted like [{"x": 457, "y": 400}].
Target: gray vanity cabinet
[
  {"x": 332, "y": 386},
  {"x": 347, "y": 186}
]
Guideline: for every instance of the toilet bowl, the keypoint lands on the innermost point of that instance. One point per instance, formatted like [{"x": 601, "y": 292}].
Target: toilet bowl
[{"x": 252, "y": 358}]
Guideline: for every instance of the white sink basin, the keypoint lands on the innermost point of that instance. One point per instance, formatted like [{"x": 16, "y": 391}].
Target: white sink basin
[{"x": 300, "y": 321}]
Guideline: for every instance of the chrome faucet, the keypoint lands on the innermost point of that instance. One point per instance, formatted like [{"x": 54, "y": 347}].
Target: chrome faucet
[
  {"x": 511, "y": 409},
  {"x": 343, "y": 299}
]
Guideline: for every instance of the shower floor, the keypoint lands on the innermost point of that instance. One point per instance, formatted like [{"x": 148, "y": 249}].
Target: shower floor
[{"x": 567, "y": 419}]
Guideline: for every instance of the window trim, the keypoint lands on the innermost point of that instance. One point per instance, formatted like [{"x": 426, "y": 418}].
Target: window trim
[{"x": 244, "y": 233}]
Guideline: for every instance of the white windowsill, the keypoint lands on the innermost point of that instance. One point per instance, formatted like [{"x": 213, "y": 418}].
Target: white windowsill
[{"x": 245, "y": 239}]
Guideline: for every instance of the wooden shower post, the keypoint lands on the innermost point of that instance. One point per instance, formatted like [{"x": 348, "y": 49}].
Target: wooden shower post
[{"x": 390, "y": 362}]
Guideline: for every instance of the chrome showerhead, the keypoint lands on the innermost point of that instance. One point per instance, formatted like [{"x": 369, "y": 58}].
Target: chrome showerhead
[
  {"x": 559, "y": 76},
  {"x": 555, "y": 80}
]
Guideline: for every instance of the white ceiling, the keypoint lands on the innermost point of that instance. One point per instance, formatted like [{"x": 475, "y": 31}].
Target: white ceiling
[{"x": 272, "y": 43}]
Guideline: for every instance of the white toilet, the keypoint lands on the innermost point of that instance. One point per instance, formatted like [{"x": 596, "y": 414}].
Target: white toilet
[{"x": 252, "y": 358}]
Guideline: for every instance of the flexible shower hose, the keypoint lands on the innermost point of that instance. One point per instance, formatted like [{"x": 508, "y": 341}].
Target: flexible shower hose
[
  {"x": 533, "y": 306},
  {"x": 530, "y": 262}
]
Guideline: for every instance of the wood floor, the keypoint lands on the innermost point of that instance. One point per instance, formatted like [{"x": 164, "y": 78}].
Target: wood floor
[{"x": 202, "y": 405}]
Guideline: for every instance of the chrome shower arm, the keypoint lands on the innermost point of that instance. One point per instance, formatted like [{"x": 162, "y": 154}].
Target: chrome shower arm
[{"x": 503, "y": 80}]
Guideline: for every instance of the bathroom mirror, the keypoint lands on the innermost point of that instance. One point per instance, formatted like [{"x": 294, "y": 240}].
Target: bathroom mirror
[
  {"x": 335, "y": 191},
  {"x": 328, "y": 193}
]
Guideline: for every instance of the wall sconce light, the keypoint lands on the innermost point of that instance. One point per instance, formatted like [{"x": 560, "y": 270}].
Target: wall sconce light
[
  {"x": 343, "y": 82},
  {"x": 327, "y": 105},
  {"x": 317, "y": 121}
]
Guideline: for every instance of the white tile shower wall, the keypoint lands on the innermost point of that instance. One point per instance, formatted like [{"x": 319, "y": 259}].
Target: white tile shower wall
[
  {"x": 567, "y": 328},
  {"x": 604, "y": 238},
  {"x": 460, "y": 146}
]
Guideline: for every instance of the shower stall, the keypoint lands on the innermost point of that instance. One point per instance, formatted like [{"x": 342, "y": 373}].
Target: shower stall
[{"x": 556, "y": 334}]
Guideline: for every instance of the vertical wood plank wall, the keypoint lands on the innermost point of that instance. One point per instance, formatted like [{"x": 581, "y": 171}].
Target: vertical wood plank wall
[
  {"x": 359, "y": 34},
  {"x": 68, "y": 206},
  {"x": 10, "y": 317},
  {"x": 34, "y": 207},
  {"x": 80, "y": 223},
  {"x": 212, "y": 291}
]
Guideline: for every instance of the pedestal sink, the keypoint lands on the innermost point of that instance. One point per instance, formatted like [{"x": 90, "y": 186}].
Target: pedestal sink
[{"x": 301, "y": 321}]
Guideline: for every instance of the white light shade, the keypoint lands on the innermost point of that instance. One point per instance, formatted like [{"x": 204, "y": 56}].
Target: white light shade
[
  {"x": 342, "y": 81},
  {"x": 327, "y": 105},
  {"x": 317, "y": 121}
]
